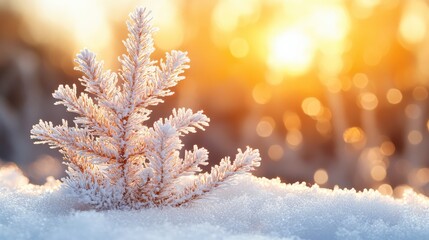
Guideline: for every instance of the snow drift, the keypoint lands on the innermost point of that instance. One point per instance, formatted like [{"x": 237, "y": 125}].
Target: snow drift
[{"x": 252, "y": 208}]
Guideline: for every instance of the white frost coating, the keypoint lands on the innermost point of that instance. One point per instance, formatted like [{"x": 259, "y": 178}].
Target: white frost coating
[
  {"x": 252, "y": 208},
  {"x": 114, "y": 160}
]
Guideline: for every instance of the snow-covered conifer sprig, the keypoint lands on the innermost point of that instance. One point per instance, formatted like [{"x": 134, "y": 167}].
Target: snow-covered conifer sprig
[{"x": 114, "y": 160}]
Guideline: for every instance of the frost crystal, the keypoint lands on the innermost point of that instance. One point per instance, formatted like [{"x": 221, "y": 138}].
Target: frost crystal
[{"x": 114, "y": 160}]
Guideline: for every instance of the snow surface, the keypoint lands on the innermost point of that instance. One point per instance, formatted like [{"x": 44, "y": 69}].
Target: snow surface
[{"x": 251, "y": 208}]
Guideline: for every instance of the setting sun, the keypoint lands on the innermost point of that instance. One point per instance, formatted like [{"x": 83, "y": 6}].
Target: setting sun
[
  {"x": 292, "y": 51},
  {"x": 318, "y": 29}
]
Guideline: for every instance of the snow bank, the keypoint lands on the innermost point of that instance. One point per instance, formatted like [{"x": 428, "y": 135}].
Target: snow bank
[{"x": 252, "y": 208}]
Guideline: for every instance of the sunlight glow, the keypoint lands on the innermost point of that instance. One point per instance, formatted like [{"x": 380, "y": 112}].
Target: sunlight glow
[
  {"x": 318, "y": 27},
  {"x": 168, "y": 19},
  {"x": 423, "y": 175},
  {"x": 87, "y": 21},
  {"x": 228, "y": 14},
  {"x": 239, "y": 47},
  {"x": 413, "y": 25},
  {"x": 330, "y": 22}
]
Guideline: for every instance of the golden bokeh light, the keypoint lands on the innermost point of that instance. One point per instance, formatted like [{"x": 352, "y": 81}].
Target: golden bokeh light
[
  {"x": 87, "y": 23},
  {"x": 364, "y": 8},
  {"x": 291, "y": 121},
  {"x": 415, "y": 137},
  {"x": 423, "y": 175},
  {"x": 294, "y": 138},
  {"x": 413, "y": 25},
  {"x": 399, "y": 191},
  {"x": 360, "y": 80},
  {"x": 387, "y": 148},
  {"x": 319, "y": 27},
  {"x": 275, "y": 152},
  {"x": 385, "y": 189},
  {"x": 394, "y": 96},
  {"x": 292, "y": 51},
  {"x": 261, "y": 93},
  {"x": 368, "y": 101},
  {"x": 228, "y": 14},
  {"x": 413, "y": 111},
  {"x": 354, "y": 135},
  {"x": 321, "y": 176},
  {"x": 375, "y": 157},
  {"x": 330, "y": 22},
  {"x": 378, "y": 173},
  {"x": 274, "y": 77},
  {"x": 311, "y": 106},
  {"x": 265, "y": 127}
]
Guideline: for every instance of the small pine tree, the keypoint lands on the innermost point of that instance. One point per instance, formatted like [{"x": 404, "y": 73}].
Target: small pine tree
[{"x": 114, "y": 160}]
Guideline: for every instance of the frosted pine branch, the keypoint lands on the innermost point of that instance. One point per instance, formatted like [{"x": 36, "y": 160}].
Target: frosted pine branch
[
  {"x": 114, "y": 160},
  {"x": 185, "y": 121},
  {"x": 192, "y": 161},
  {"x": 74, "y": 139}
]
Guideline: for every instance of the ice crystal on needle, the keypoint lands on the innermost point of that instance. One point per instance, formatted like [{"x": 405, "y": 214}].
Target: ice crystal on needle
[{"x": 114, "y": 160}]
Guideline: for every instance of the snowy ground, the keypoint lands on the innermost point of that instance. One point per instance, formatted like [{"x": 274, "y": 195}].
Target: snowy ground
[{"x": 253, "y": 208}]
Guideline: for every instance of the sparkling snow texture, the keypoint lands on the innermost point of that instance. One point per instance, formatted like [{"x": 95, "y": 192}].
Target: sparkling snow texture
[{"x": 252, "y": 208}]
